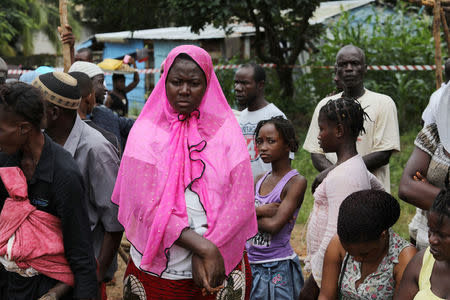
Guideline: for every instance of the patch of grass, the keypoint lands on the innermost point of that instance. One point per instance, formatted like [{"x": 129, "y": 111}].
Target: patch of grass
[{"x": 398, "y": 161}]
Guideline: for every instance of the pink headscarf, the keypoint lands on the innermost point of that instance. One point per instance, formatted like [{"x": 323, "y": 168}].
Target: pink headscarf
[{"x": 166, "y": 153}]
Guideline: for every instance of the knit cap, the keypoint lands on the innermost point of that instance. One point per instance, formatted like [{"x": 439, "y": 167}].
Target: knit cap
[
  {"x": 59, "y": 88},
  {"x": 88, "y": 68}
]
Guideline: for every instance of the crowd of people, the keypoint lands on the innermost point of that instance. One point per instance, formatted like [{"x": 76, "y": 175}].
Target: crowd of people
[{"x": 207, "y": 196}]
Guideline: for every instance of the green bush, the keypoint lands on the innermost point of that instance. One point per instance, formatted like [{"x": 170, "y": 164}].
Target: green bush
[{"x": 399, "y": 38}]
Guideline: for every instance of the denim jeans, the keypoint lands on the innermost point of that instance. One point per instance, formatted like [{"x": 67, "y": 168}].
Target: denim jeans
[{"x": 277, "y": 280}]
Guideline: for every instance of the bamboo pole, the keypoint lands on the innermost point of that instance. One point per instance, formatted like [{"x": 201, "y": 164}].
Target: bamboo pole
[
  {"x": 446, "y": 31},
  {"x": 64, "y": 23},
  {"x": 437, "y": 42}
]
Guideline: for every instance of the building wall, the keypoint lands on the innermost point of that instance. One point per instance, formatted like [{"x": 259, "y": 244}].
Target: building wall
[
  {"x": 161, "y": 49},
  {"x": 136, "y": 97}
]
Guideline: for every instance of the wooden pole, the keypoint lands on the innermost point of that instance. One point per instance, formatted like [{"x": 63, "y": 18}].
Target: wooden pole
[
  {"x": 446, "y": 31},
  {"x": 64, "y": 22},
  {"x": 437, "y": 42}
]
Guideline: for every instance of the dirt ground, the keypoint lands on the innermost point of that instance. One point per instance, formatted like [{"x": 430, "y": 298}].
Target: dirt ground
[{"x": 298, "y": 242}]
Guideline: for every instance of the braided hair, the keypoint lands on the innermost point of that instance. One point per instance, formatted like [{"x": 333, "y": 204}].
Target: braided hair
[
  {"x": 348, "y": 112},
  {"x": 441, "y": 204},
  {"x": 284, "y": 128},
  {"x": 364, "y": 215}
]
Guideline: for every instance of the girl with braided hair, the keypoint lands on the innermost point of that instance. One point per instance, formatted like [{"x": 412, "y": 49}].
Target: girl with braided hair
[
  {"x": 366, "y": 259},
  {"x": 427, "y": 276},
  {"x": 340, "y": 123}
]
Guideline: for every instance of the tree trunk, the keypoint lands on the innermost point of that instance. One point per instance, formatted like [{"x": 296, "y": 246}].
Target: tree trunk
[
  {"x": 437, "y": 42},
  {"x": 64, "y": 23},
  {"x": 286, "y": 82}
]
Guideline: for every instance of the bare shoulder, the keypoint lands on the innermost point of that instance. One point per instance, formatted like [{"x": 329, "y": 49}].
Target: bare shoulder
[
  {"x": 297, "y": 184},
  {"x": 407, "y": 254},
  {"x": 298, "y": 180},
  {"x": 415, "y": 263},
  {"x": 335, "y": 249}
]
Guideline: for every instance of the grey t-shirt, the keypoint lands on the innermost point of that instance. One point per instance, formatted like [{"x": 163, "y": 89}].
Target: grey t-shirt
[{"x": 248, "y": 120}]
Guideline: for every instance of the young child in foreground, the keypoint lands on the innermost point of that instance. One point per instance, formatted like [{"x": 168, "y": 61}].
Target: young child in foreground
[{"x": 278, "y": 196}]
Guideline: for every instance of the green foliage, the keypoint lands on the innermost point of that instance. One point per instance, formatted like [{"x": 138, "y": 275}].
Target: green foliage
[
  {"x": 400, "y": 38},
  {"x": 282, "y": 28},
  {"x": 113, "y": 15},
  {"x": 19, "y": 19}
]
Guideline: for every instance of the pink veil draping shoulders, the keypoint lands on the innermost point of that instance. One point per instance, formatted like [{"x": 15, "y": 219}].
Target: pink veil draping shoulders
[{"x": 166, "y": 153}]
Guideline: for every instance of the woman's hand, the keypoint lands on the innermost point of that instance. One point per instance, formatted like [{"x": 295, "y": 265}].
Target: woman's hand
[
  {"x": 49, "y": 296},
  {"x": 208, "y": 270},
  {"x": 55, "y": 293},
  {"x": 267, "y": 210},
  {"x": 419, "y": 177}
]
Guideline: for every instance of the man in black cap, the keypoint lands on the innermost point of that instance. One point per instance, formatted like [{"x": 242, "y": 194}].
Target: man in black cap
[{"x": 96, "y": 158}]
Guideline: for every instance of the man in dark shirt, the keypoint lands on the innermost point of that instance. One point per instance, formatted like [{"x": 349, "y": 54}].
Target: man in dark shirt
[{"x": 56, "y": 188}]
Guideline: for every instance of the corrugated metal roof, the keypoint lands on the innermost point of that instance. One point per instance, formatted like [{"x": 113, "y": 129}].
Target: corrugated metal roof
[
  {"x": 333, "y": 8},
  {"x": 324, "y": 11},
  {"x": 175, "y": 33}
]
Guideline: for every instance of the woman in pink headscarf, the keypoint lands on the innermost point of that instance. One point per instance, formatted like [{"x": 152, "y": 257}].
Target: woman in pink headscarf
[{"x": 185, "y": 189}]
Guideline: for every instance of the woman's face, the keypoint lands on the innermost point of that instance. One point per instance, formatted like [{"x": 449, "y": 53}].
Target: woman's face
[
  {"x": 271, "y": 145},
  {"x": 185, "y": 86},
  {"x": 11, "y": 137},
  {"x": 439, "y": 236},
  {"x": 327, "y": 134},
  {"x": 367, "y": 252}
]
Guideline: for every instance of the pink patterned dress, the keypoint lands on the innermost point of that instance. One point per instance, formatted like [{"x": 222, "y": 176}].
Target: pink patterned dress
[{"x": 348, "y": 177}]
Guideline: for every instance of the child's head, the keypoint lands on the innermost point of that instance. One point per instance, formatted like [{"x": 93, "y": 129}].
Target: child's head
[
  {"x": 274, "y": 130},
  {"x": 363, "y": 222},
  {"x": 439, "y": 225},
  {"x": 344, "y": 112}
]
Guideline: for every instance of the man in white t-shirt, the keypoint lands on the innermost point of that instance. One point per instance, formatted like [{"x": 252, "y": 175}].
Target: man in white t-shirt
[
  {"x": 382, "y": 133},
  {"x": 429, "y": 114},
  {"x": 249, "y": 82}
]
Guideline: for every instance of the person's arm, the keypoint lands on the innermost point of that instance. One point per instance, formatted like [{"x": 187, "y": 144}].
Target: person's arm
[
  {"x": 110, "y": 245},
  {"x": 56, "y": 292},
  {"x": 331, "y": 270},
  {"x": 125, "y": 125},
  {"x": 418, "y": 193},
  {"x": 409, "y": 284},
  {"x": 295, "y": 191},
  {"x": 68, "y": 38},
  {"x": 102, "y": 177},
  {"x": 136, "y": 79},
  {"x": 403, "y": 259},
  {"x": 320, "y": 162},
  {"x": 377, "y": 159},
  {"x": 71, "y": 208},
  {"x": 268, "y": 210},
  {"x": 208, "y": 268}
]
